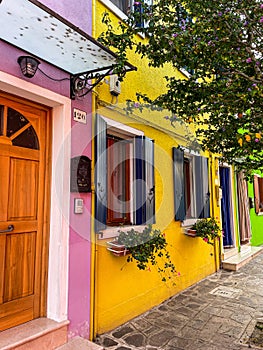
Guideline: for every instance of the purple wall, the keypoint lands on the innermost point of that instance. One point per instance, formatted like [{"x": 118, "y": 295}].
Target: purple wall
[
  {"x": 80, "y": 14},
  {"x": 8, "y": 64},
  {"x": 77, "y": 12}
]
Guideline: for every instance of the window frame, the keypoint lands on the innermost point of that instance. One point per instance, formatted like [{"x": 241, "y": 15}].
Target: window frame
[
  {"x": 110, "y": 219},
  {"x": 200, "y": 200},
  {"x": 189, "y": 186},
  {"x": 103, "y": 126}
]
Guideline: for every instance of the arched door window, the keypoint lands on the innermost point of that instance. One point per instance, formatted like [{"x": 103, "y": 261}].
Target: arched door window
[{"x": 16, "y": 129}]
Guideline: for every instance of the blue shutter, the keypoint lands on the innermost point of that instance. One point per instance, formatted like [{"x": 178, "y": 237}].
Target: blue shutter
[
  {"x": 144, "y": 196},
  {"x": 138, "y": 9},
  {"x": 100, "y": 174},
  {"x": 150, "y": 181},
  {"x": 202, "y": 195},
  {"x": 206, "y": 192},
  {"x": 140, "y": 188},
  {"x": 179, "y": 198}
]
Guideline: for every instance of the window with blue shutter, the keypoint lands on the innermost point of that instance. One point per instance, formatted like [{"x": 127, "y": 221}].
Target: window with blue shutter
[
  {"x": 124, "y": 178},
  {"x": 126, "y": 6},
  {"x": 191, "y": 186}
]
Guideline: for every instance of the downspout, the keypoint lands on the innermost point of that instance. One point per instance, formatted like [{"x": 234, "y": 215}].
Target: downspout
[
  {"x": 93, "y": 234},
  {"x": 212, "y": 172},
  {"x": 236, "y": 224}
]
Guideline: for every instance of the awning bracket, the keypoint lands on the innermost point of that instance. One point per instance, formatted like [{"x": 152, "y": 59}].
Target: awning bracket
[{"x": 82, "y": 83}]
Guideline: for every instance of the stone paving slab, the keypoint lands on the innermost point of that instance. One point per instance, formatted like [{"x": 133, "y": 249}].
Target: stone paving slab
[{"x": 196, "y": 319}]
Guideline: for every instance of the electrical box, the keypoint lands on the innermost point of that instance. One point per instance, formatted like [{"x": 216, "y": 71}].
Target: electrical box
[
  {"x": 115, "y": 85},
  {"x": 78, "y": 205}
]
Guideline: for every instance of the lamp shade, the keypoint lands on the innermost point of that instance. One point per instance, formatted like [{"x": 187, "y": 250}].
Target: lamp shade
[{"x": 28, "y": 65}]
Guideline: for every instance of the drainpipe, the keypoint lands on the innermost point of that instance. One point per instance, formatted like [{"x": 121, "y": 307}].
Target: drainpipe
[
  {"x": 236, "y": 224},
  {"x": 93, "y": 240},
  {"x": 93, "y": 234},
  {"x": 212, "y": 198}
]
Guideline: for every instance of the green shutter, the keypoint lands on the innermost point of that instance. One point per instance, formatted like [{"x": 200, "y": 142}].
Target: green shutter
[{"x": 179, "y": 198}]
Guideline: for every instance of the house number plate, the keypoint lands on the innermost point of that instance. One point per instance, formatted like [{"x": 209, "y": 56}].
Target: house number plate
[{"x": 80, "y": 116}]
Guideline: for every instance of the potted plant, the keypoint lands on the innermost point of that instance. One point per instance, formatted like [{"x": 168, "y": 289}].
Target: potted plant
[
  {"x": 148, "y": 247},
  {"x": 208, "y": 229}
]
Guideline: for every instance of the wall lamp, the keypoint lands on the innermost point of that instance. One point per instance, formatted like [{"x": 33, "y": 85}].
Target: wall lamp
[
  {"x": 80, "y": 84},
  {"x": 28, "y": 65}
]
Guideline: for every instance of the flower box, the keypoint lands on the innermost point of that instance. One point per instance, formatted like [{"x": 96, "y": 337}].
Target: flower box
[
  {"x": 117, "y": 249},
  {"x": 190, "y": 232}
]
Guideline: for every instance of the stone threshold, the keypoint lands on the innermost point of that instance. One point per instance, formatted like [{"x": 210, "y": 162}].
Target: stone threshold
[
  {"x": 79, "y": 343},
  {"x": 41, "y": 333},
  {"x": 240, "y": 259}
]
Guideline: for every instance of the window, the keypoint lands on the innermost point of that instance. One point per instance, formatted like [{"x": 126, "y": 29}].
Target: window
[
  {"x": 119, "y": 173},
  {"x": 123, "y": 5},
  {"x": 126, "y": 6},
  {"x": 258, "y": 193},
  {"x": 191, "y": 188},
  {"x": 124, "y": 176}
]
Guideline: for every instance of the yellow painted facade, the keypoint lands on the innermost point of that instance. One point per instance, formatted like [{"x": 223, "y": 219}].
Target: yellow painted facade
[{"x": 121, "y": 290}]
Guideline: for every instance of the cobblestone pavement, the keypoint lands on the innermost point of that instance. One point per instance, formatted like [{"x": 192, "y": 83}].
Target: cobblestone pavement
[{"x": 196, "y": 319}]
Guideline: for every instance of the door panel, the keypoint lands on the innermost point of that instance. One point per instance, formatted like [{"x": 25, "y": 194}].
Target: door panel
[
  {"x": 23, "y": 191},
  {"x": 19, "y": 265},
  {"x": 23, "y": 176}
]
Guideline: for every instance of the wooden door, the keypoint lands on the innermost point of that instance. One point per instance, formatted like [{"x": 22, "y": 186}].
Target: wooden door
[{"x": 23, "y": 211}]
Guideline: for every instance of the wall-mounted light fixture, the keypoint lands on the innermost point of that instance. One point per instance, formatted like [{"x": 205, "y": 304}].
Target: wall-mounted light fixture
[
  {"x": 28, "y": 65},
  {"x": 80, "y": 84}
]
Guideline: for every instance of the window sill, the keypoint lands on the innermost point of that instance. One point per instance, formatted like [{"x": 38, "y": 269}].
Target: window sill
[
  {"x": 188, "y": 223},
  {"x": 189, "y": 232},
  {"x": 112, "y": 232},
  {"x": 117, "y": 249}
]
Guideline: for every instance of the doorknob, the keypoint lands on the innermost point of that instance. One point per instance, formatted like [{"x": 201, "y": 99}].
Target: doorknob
[{"x": 10, "y": 228}]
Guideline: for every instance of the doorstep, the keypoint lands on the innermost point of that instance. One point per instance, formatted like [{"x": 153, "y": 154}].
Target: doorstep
[
  {"x": 79, "y": 343},
  {"x": 41, "y": 333},
  {"x": 240, "y": 259},
  {"x": 229, "y": 252}
]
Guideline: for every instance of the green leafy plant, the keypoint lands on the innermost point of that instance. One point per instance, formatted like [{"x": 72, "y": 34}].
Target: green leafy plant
[
  {"x": 208, "y": 229},
  {"x": 148, "y": 247},
  {"x": 219, "y": 43}
]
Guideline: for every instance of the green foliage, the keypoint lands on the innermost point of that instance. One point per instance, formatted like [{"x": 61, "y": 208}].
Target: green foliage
[
  {"x": 222, "y": 47},
  {"x": 148, "y": 248},
  {"x": 207, "y": 229}
]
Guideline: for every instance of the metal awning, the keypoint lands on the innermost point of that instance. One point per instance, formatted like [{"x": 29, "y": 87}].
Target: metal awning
[{"x": 31, "y": 26}]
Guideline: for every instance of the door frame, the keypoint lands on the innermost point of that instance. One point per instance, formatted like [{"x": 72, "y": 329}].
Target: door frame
[
  {"x": 29, "y": 109},
  {"x": 58, "y": 211}
]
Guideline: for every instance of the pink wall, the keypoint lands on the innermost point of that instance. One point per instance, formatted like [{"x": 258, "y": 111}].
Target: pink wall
[
  {"x": 79, "y": 13},
  {"x": 79, "y": 255}
]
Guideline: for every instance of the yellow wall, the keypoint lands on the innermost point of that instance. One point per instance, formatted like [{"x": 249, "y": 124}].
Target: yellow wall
[{"x": 121, "y": 290}]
